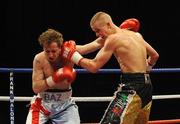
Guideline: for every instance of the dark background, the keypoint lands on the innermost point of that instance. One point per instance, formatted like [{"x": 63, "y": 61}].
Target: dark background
[{"x": 23, "y": 21}]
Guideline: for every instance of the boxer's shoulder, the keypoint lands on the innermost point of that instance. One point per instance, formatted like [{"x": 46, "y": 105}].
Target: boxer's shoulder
[{"x": 40, "y": 57}]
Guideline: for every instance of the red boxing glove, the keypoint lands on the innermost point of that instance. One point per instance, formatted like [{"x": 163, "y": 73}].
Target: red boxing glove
[
  {"x": 69, "y": 52},
  {"x": 70, "y": 44},
  {"x": 65, "y": 73},
  {"x": 131, "y": 24}
]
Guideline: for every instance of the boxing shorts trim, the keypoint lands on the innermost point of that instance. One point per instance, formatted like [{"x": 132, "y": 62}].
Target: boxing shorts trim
[
  {"x": 37, "y": 106},
  {"x": 58, "y": 90},
  {"x": 135, "y": 78},
  {"x": 55, "y": 96}
]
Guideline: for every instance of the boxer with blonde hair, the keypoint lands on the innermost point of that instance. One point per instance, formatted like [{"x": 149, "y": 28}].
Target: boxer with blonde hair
[{"x": 132, "y": 101}]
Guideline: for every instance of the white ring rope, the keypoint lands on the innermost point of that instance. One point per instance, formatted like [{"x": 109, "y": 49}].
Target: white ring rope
[
  {"x": 11, "y": 98},
  {"x": 90, "y": 99}
]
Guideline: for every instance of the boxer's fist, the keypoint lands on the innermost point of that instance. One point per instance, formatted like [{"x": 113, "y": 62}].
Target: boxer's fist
[
  {"x": 70, "y": 44},
  {"x": 149, "y": 66},
  {"x": 68, "y": 48},
  {"x": 131, "y": 24},
  {"x": 65, "y": 73},
  {"x": 69, "y": 52}
]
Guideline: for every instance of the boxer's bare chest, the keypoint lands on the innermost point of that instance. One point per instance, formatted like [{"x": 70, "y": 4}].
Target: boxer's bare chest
[{"x": 50, "y": 68}]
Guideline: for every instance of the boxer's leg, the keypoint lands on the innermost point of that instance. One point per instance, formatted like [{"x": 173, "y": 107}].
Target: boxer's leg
[
  {"x": 68, "y": 115},
  {"x": 132, "y": 111},
  {"x": 143, "y": 116},
  {"x": 120, "y": 108},
  {"x": 36, "y": 117},
  {"x": 37, "y": 113}
]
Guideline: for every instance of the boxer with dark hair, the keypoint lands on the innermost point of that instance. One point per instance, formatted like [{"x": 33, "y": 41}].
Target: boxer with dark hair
[{"x": 52, "y": 77}]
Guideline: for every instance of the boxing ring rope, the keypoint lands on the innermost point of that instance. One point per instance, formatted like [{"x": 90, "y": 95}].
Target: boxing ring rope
[
  {"x": 90, "y": 99},
  {"x": 29, "y": 70},
  {"x": 11, "y": 98}
]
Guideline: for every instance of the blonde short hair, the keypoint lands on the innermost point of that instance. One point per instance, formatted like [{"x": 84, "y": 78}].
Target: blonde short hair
[{"x": 102, "y": 17}]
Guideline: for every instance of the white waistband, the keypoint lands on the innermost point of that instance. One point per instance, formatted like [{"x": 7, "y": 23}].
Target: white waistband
[{"x": 55, "y": 96}]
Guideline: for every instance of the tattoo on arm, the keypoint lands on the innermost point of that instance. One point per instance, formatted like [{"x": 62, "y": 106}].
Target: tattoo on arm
[{"x": 37, "y": 61}]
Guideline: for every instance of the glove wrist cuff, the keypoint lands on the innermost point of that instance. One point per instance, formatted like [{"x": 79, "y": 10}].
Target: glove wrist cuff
[
  {"x": 49, "y": 81},
  {"x": 76, "y": 57}
]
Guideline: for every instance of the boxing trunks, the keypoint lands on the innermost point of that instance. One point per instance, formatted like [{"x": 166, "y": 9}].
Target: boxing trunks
[
  {"x": 55, "y": 106},
  {"x": 132, "y": 101}
]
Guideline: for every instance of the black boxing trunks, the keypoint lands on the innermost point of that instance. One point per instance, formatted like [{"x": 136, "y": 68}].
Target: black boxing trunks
[{"x": 131, "y": 101}]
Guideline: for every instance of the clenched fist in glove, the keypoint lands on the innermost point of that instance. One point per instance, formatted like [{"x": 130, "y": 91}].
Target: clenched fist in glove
[
  {"x": 69, "y": 52},
  {"x": 65, "y": 73},
  {"x": 131, "y": 24}
]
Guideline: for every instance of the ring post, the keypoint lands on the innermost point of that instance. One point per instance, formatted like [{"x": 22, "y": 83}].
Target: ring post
[{"x": 11, "y": 94}]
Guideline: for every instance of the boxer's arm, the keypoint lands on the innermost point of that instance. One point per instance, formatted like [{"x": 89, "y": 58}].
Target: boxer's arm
[
  {"x": 102, "y": 57},
  {"x": 73, "y": 52},
  {"x": 90, "y": 47},
  {"x": 152, "y": 56},
  {"x": 91, "y": 65},
  {"x": 38, "y": 81}
]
